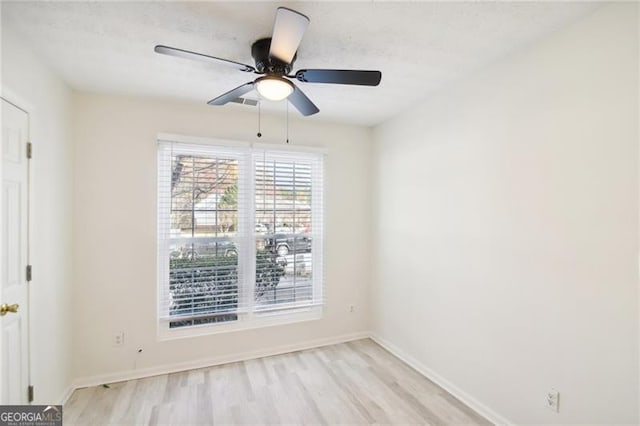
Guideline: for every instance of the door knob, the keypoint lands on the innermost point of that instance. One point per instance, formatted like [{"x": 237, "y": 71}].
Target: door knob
[{"x": 4, "y": 308}]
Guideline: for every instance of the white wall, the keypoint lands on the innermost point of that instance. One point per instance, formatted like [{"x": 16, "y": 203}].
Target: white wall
[
  {"x": 115, "y": 239},
  {"x": 506, "y": 234},
  {"x": 34, "y": 87}
]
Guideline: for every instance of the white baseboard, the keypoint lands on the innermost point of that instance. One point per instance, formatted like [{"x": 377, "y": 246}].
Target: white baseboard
[
  {"x": 464, "y": 397},
  {"x": 208, "y": 362},
  {"x": 66, "y": 394}
]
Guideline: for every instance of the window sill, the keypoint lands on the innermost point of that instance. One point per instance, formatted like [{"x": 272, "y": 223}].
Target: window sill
[{"x": 257, "y": 320}]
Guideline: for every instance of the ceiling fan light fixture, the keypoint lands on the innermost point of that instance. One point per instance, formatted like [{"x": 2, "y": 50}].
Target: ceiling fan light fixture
[{"x": 274, "y": 88}]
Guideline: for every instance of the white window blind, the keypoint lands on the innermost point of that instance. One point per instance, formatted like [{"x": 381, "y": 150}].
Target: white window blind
[
  {"x": 239, "y": 234},
  {"x": 288, "y": 220}
]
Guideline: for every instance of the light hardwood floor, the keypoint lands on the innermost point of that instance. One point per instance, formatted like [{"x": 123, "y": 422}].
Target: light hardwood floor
[{"x": 351, "y": 383}]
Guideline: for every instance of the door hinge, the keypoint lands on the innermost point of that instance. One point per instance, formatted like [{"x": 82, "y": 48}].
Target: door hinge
[
  {"x": 29, "y": 150},
  {"x": 30, "y": 393},
  {"x": 29, "y": 272}
]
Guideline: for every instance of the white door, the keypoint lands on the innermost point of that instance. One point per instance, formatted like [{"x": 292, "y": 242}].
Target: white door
[{"x": 14, "y": 355}]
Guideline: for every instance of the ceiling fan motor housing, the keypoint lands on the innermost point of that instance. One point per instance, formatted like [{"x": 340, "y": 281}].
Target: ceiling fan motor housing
[{"x": 266, "y": 64}]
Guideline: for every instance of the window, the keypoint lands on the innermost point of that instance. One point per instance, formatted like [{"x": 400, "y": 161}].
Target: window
[{"x": 239, "y": 236}]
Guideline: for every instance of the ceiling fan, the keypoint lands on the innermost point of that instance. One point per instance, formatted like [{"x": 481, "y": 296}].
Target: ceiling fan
[{"x": 274, "y": 58}]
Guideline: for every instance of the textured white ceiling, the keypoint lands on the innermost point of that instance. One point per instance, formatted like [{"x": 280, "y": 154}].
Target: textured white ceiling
[{"x": 418, "y": 46}]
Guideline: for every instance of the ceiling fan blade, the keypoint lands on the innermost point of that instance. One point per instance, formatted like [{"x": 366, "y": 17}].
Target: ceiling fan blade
[
  {"x": 288, "y": 30},
  {"x": 232, "y": 94},
  {"x": 357, "y": 77},
  {"x": 181, "y": 53},
  {"x": 302, "y": 103}
]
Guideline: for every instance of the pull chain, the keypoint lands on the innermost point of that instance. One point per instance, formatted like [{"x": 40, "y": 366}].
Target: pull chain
[
  {"x": 259, "y": 134},
  {"x": 287, "y": 121}
]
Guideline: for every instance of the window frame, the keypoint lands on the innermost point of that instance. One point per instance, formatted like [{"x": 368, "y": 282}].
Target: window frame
[{"x": 246, "y": 242}]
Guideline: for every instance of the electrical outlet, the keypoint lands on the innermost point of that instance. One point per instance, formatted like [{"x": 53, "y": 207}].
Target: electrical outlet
[
  {"x": 553, "y": 400},
  {"x": 118, "y": 339}
]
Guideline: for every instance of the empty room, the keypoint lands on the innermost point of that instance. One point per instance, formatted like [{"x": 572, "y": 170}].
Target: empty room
[{"x": 284, "y": 213}]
